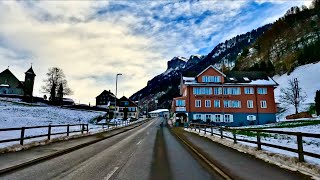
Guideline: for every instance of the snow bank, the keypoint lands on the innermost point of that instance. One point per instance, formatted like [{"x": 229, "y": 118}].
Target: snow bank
[
  {"x": 19, "y": 115},
  {"x": 280, "y": 158}
]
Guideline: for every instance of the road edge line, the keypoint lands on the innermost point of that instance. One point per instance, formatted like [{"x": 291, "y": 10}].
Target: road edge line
[{"x": 202, "y": 157}]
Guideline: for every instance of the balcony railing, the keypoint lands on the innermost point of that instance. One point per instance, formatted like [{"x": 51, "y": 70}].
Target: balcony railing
[{"x": 180, "y": 108}]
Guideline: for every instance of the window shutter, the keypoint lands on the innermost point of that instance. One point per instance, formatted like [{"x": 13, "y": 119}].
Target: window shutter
[
  {"x": 254, "y": 118},
  {"x": 231, "y": 118},
  {"x": 194, "y": 116},
  {"x": 248, "y": 117}
]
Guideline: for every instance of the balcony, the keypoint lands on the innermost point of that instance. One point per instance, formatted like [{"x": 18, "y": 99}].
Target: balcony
[{"x": 181, "y": 109}]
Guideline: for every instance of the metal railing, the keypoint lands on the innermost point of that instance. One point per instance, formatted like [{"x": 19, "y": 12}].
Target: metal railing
[{"x": 258, "y": 133}]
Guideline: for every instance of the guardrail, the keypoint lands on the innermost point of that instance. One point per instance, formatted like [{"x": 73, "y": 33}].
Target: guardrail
[
  {"x": 82, "y": 128},
  {"x": 301, "y": 153}
]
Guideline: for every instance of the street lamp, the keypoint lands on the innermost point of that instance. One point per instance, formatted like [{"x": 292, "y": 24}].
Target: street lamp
[{"x": 115, "y": 99}]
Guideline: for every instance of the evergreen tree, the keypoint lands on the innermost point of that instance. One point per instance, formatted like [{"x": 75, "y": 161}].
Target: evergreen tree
[
  {"x": 53, "y": 93},
  {"x": 317, "y": 102},
  {"x": 60, "y": 93}
]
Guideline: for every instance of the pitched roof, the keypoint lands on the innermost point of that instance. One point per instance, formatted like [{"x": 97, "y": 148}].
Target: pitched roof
[
  {"x": 211, "y": 66},
  {"x": 30, "y": 71},
  {"x": 106, "y": 92},
  {"x": 123, "y": 98},
  {"x": 249, "y": 77},
  {"x": 7, "y": 71}
]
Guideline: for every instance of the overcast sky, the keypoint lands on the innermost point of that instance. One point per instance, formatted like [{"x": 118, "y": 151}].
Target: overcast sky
[{"x": 93, "y": 41}]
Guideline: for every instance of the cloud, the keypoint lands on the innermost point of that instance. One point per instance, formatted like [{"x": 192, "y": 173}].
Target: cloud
[{"x": 93, "y": 41}]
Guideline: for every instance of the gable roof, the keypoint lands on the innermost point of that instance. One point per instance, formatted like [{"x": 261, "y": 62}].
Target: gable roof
[
  {"x": 123, "y": 98},
  {"x": 7, "y": 71},
  {"x": 30, "y": 71},
  {"x": 107, "y": 93},
  {"x": 211, "y": 66}
]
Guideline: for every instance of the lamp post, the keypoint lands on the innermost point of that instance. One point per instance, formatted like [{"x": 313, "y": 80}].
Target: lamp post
[{"x": 115, "y": 99}]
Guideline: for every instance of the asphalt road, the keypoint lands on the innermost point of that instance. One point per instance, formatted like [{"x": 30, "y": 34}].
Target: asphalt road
[{"x": 146, "y": 152}]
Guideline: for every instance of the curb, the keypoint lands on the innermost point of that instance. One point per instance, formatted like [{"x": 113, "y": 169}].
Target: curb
[
  {"x": 203, "y": 158},
  {"x": 65, "y": 151}
]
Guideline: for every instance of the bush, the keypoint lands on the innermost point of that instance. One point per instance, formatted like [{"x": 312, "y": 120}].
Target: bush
[{"x": 299, "y": 115}]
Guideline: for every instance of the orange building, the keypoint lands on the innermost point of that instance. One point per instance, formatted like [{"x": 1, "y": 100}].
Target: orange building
[{"x": 236, "y": 98}]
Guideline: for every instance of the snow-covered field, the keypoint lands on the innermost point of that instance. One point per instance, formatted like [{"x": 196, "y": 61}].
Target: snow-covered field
[
  {"x": 308, "y": 77},
  {"x": 22, "y": 115}
]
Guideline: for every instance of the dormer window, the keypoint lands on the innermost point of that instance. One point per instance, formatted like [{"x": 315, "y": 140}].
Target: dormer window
[
  {"x": 211, "y": 79},
  {"x": 246, "y": 79}
]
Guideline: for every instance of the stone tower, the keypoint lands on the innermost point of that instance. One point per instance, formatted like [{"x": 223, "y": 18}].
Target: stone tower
[{"x": 29, "y": 83}]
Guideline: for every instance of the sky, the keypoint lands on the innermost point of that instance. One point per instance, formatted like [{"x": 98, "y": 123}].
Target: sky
[{"x": 92, "y": 41}]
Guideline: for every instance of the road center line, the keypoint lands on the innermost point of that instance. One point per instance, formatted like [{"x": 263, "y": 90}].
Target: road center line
[{"x": 111, "y": 173}]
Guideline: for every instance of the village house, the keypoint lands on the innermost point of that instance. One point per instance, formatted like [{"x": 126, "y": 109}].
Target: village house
[
  {"x": 228, "y": 99},
  {"x": 106, "y": 99},
  {"x": 10, "y": 85},
  {"x": 125, "y": 105}
]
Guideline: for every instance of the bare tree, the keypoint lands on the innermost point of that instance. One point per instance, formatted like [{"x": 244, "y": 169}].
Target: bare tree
[
  {"x": 56, "y": 79},
  {"x": 293, "y": 94}
]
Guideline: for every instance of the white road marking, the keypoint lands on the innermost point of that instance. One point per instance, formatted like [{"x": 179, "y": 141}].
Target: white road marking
[
  {"x": 111, "y": 173},
  {"x": 139, "y": 142}
]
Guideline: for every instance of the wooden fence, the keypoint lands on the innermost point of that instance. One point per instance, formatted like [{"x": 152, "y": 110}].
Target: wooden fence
[
  {"x": 82, "y": 128},
  {"x": 258, "y": 132}
]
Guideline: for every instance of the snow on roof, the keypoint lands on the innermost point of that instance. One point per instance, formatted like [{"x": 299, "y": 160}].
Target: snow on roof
[
  {"x": 159, "y": 111},
  {"x": 270, "y": 82},
  {"x": 4, "y": 85},
  {"x": 188, "y": 78}
]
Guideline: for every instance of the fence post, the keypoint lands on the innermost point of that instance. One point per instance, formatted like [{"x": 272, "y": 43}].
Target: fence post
[
  {"x": 68, "y": 129},
  {"x": 199, "y": 127},
  {"x": 205, "y": 128},
  {"x": 300, "y": 147},
  {"x": 258, "y": 140},
  {"x": 234, "y": 136},
  {"x": 211, "y": 131},
  {"x": 87, "y": 128},
  {"x": 221, "y": 132},
  {"x": 22, "y": 135},
  {"x": 82, "y": 126},
  {"x": 49, "y": 131}
]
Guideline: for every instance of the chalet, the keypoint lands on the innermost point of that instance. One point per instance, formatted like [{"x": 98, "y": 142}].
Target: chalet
[
  {"x": 105, "y": 99},
  {"x": 226, "y": 99},
  {"x": 125, "y": 105},
  {"x": 10, "y": 85}
]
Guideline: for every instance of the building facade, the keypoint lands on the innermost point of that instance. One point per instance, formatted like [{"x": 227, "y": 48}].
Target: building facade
[
  {"x": 106, "y": 99},
  {"x": 159, "y": 113},
  {"x": 230, "y": 99},
  {"x": 125, "y": 105},
  {"x": 10, "y": 85}
]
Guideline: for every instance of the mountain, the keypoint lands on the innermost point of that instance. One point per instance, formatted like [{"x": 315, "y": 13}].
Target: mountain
[
  {"x": 165, "y": 86},
  {"x": 292, "y": 41},
  {"x": 276, "y": 48}
]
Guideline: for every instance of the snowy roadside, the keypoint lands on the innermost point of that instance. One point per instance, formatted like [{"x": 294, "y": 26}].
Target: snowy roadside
[
  {"x": 281, "y": 158},
  {"x": 20, "y": 115}
]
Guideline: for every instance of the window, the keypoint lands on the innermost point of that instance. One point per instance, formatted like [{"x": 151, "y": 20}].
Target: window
[
  {"x": 208, "y": 117},
  {"x": 232, "y": 104},
  {"x": 208, "y": 103},
  {"x": 217, "y": 103},
  {"x": 217, "y": 90},
  {"x": 180, "y": 103},
  {"x": 211, "y": 79},
  {"x": 263, "y": 104},
  {"x": 228, "y": 118},
  {"x": 218, "y": 117},
  {"x": 251, "y": 117},
  {"x": 204, "y": 90},
  {"x": 236, "y": 104},
  {"x": 197, "y": 117},
  {"x": 233, "y": 91},
  {"x": 250, "y": 104},
  {"x": 198, "y": 103},
  {"x": 262, "y": 90},
  {"x": 248, "y": 90}
]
